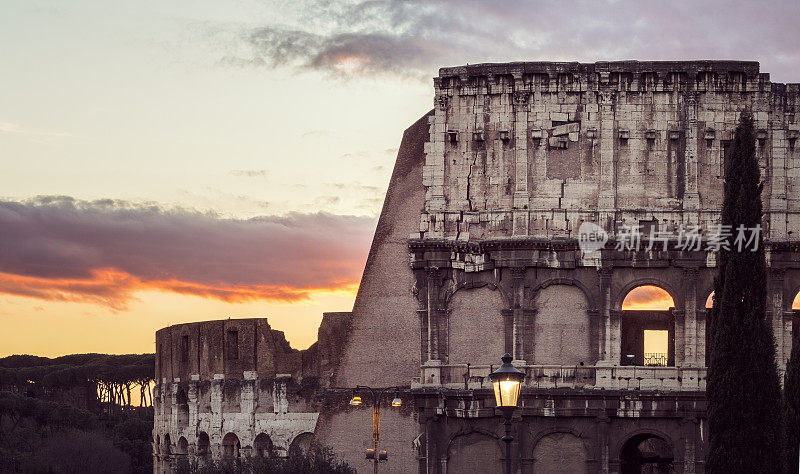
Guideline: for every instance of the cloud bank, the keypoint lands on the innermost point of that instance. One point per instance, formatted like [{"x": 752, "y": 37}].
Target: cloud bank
[
  {"x": 416, "y": 37},
  {"x": 62, "y": 249}
]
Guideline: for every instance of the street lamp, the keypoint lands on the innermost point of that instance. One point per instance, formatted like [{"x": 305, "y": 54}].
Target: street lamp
[
  {"x": 373, "y": 453},
  {"x": 507, "y": 381}
]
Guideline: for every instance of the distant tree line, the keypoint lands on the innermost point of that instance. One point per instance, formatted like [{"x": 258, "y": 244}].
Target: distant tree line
[
  {"x": 41, "y": 433},
  {"x": 117, "y": 377}
]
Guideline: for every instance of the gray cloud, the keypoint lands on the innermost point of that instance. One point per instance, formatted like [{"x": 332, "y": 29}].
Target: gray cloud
[
  {"x": 416, "y": 37},
  {"x": 60, "y": 248}
]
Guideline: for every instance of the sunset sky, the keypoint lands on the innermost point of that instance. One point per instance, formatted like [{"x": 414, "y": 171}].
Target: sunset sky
[{"x": 165, "y": 162}]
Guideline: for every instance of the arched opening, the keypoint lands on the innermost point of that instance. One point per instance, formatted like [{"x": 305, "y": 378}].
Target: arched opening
[
  {"x": 559, "y": 452},
  {"x": 476, "y": 327},
  {"x": 561, "y": 333},
  {"x": 230, "y": 446},
  {"x": 301, "y": 443},
  {"x": 167, "y": 449},
  {"x": 476, "y": 453},
  {"x": 158, "y": 444},
  {"x": 646, "y": 453},
  {"x": 202, "y": 444},
  {"x": 183, "y": 446},
  {"x": 648, "y": 327},
  {"x": 183, "y": 409},
  {"x": 262, "y": 446}
]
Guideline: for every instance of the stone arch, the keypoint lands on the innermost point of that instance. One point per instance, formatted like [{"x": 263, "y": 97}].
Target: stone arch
[
  {"x": 301, "y": 443},
  {"x": 183, "y": 446},
  {"x": 559, "y": 451},
  {"x": 561, "y": 326},
  {"x": 231, "y": 446},
  {"x": 475, "y": 452},
  {"x": 591, "y": 296},
  {"x": 647, "y": 335},
  {"x": 203, "y": 443},
  {"x": 646, "y": 451},
  {"x": 182, "y": 402},
  {"x": 476, "y": 326},
  {"x": 262, "y": 446},
  {"x": 622, "y": 292}
]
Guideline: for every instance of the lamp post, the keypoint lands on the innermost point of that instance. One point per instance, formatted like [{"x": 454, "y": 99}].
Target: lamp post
[
  {"x": 507, "y": 381},
  {"x": 377, "y": 394}
]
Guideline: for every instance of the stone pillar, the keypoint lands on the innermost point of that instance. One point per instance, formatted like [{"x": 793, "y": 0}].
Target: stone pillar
[
  {"x": 433, "y": 171},
  {"x": 615, "y": 350},
  {"x": 521, "y": 99},
  {"x": 432, "y": 372},
  {"x": 775, "y": 308},
  {"x": 518, "y": 328},
  {"x": 607, "y": 199},
  {"x": 194, "y": 405},
  {"x": 691, "y": 198},
  {"x": 215, "y": 433},
  {"x": 702, "y": 327},
  {"x": 605, "y": 356},
  {"x": 173, "y": 413},
  {"x": 690, "y": 330},
  {"x": 280, "y": 403},
  {"x": 678, "y": 337},
  {"x": 690, "y": 436},
  {"x": 248, "y": 400}
]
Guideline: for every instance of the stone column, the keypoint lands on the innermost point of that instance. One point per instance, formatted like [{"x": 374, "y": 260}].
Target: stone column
[
  {"x": 605, "y": 356},
  {"x": 691, "y": 198},
  {"x": 521, "y": 195},
  {"x": 607, "y": 199},
  {"x": 280, "y": 403},
  {"x": 249, "y": 397},
  {"x": 432, "y": 372},
  {"x": 433, "y": 171},
  {"x": 173, "y": 413},
  {"x": 775, "y": 307},
  {"x": 215, "y": 433},
  {"x": 690, "y": 332},
  {"x": 518, "y": 328},
  {"x": 194, "y": 406}
]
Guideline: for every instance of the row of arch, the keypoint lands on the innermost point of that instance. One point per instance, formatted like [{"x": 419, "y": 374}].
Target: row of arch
[
  {"x": 230, "y": 447},
  {"x": 560, "y": 451},
  {"x": 561, "y": 332}
]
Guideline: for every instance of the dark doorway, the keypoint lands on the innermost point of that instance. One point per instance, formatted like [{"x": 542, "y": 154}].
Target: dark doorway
[{"x": 646, "y": 453}]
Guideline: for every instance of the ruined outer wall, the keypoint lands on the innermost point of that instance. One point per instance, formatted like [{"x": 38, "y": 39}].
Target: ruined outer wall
[
  {"x": 238, "y": 381},
  {"x": 534, "y": 149},
  {"x": 383, "y": 345}
]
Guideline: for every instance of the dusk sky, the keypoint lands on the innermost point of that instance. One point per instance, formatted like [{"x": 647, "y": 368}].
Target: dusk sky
[{"x": 165, "y": 162}]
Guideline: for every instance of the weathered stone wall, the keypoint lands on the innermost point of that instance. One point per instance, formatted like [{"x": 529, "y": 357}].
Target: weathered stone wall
[
  {"x": 236, "y": 388},
  {"x": 534, "y": 149}
]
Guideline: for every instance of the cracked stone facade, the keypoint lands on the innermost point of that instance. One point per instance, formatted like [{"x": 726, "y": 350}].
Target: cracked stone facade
[{"x": 485, "y": 202}]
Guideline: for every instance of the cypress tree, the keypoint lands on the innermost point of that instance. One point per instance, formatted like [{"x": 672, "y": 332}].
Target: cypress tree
[
  {"x": 791, "y": 409},
  {"x": 743, "y": 389}
]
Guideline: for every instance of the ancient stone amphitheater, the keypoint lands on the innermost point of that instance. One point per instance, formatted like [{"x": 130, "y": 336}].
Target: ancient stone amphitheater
[{"x": 476, "y": 254}]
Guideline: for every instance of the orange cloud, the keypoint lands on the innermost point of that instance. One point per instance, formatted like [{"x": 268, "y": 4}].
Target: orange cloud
[
  {"x": 61, "y": 249},
  {"x": 115, "y": 289}
]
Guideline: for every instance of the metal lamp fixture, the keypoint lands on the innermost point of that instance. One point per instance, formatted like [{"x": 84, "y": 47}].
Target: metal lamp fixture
[{"x": 507, "y": 382}]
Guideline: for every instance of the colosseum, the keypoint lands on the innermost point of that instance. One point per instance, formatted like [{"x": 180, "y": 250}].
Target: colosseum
[{"x": 476, "y": 254}]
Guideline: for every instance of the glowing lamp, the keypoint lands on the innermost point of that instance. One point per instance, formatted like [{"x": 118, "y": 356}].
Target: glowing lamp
[
  {"x": 396, "y": 402},
  {"x": 355, "y": 401},
  {"x": 507, "y": 381}
]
